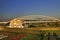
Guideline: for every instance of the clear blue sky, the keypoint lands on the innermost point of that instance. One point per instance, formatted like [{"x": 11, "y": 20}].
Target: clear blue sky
[{"x": 15, "y": 8}]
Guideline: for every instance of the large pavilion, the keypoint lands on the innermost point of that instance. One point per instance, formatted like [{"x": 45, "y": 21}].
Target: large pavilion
[{"x": 37, "y": 21}]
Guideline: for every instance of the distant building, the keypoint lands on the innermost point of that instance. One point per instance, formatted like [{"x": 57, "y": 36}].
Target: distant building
[
  {"x": 16, "y": 23},
  {"x": 34, "y": 21},
  {"x": 40, "y": 21}
]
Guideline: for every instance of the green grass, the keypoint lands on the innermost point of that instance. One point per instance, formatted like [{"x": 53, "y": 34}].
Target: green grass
[
  {"x": 30, "y": 37},
  {"x": 30, "y": 34}
]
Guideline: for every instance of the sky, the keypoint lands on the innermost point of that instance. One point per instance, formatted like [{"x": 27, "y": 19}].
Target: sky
[{"x": 17, "y": 8}]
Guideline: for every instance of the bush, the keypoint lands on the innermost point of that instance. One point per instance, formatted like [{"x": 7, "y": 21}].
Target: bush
[{"x": 31, "y": 26}]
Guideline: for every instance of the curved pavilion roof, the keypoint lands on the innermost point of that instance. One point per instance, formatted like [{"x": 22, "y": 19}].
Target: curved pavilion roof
[{"x": 39, "y": 17}]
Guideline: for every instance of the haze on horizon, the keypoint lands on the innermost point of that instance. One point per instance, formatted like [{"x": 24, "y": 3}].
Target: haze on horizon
[{"x": 16, "y": 8}]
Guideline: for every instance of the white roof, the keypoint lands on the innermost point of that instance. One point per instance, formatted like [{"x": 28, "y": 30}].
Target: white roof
[{"x": 38, "y": 17}]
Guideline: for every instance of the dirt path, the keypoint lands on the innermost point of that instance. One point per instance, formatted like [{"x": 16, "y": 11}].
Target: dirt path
[{"x": 43, "y": 28}]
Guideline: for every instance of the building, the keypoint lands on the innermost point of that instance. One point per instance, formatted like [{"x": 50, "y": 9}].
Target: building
[
  {"x": 34, "y": 21},
  {"x": 40, "y": 21},
  {"x": 15, "y": 23}
]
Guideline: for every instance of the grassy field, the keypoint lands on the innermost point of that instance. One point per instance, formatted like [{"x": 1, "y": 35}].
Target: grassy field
[{"x": 31, "y": 33}]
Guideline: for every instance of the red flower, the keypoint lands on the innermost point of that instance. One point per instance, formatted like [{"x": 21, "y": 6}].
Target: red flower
[
  {"x": 15, "y": 38},
  {"x": 18, "y": 37},
  {"x": 21, "y": 35}
]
